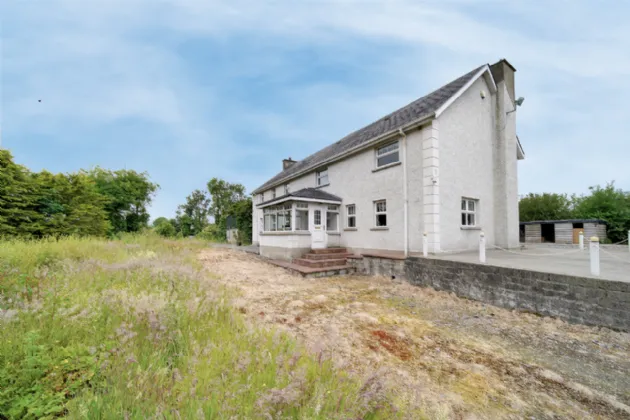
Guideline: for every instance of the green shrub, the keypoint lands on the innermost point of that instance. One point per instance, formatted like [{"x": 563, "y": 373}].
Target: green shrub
[
  {"x": 165, "y": 229},
  {"x": 212, "y": 233}
]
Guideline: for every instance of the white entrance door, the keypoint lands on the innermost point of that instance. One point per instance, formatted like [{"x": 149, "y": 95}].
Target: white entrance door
[{"x": 318, "y": 229}]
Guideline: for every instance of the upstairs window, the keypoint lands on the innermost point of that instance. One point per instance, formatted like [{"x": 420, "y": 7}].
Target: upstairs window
[
  {"x": 388, "y": 154},
  {"x": 469, "y": 212},
  {"x": 273, "y": 193},
  {"x": 286, "y": 189},
  {"x": 322, "y": 177},
  {"x": 380, "y": 213}
]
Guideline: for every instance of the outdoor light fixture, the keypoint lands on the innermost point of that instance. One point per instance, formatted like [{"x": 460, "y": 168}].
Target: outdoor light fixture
[{"x": 517, "y": 103}]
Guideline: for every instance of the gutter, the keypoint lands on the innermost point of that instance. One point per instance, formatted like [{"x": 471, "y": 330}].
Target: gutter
[
  {"x": 405, "y": 196},
  {"x": 411, "y": 125}
]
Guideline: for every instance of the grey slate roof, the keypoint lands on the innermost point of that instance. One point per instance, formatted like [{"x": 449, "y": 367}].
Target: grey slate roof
[
  {"x": 416, "y": 110},
  {"x": 312, "y": 193}
]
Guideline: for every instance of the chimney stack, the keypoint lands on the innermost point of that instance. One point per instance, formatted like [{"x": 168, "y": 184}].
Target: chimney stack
[
  {"x": 287, "y": 163},
  {"x": 505, "y": 157}
]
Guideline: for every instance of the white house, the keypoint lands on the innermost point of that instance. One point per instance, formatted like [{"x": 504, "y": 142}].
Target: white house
[{"x": 444, "y": 165}]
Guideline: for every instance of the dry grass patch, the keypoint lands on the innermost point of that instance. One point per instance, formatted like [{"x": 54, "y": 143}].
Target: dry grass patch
[{"x": 445, "y": 356}]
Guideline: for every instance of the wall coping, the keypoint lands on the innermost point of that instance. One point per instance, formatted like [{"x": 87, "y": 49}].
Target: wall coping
[{"x": 383, "y": 255}]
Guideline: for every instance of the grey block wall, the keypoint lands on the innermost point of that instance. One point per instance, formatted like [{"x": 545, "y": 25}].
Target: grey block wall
[
  {"x": 574, "y": 299},
  {"x": 374, "y": 266}
]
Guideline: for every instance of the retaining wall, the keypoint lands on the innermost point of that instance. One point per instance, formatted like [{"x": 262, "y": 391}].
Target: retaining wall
[{"x": 581, "y": 300}]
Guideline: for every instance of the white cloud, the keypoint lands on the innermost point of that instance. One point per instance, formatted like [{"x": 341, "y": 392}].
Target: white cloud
[{"x": 96, "y": 63}]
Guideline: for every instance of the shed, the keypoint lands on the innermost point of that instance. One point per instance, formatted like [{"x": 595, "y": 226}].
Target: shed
[
  {"x": 562, "y": 231},
  {"x": 231, "y": 231}
]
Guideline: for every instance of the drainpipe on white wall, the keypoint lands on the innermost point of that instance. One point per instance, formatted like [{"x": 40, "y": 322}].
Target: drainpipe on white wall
[{"x": 405, "y": 198}]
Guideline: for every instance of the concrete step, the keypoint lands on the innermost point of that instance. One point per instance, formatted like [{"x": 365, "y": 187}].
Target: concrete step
[
  {"x": 341, "y": 270},
  {"x": 326, "y": 256},
  {"x": 320, "y": 263},
  {"x": 329, "y": 251}
]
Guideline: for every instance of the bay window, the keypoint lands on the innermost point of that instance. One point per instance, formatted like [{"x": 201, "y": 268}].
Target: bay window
[{"x": 277, "y": 218}]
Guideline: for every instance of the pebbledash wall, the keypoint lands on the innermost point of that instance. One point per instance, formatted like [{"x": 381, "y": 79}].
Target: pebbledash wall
[
  {"x": 461, "y": 146},
  {"x": 580, "y": 300}
]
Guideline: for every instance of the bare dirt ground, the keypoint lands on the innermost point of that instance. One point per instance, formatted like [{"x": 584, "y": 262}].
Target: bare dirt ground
[{"x": 451, "y": 357}]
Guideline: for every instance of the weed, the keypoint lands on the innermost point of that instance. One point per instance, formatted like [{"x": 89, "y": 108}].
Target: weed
[{"x": 127, "y": 329}]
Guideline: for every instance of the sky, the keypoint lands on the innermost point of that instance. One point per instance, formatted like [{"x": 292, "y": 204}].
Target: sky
[{"x": 188, "y": 90}]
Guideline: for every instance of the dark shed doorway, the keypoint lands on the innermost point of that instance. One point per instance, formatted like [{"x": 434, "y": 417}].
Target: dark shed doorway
[{"x": 548, "y": 232}]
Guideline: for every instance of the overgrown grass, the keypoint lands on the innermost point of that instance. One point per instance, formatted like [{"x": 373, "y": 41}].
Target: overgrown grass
[{"x": 130, "y": 329}]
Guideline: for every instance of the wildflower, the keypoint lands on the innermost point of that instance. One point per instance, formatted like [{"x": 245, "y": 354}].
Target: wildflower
[{"x": 65, "y": 361}]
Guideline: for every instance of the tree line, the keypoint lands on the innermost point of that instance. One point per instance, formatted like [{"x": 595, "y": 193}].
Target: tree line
[
  {"x": 222, "y": 201},
  {"x": 607, "y": 203},
  {"x": 103, "y": 202},
  {"x": 88, "y": 202}
]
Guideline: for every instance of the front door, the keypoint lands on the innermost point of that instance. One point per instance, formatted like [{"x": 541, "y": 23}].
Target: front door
[{"x": 318, "y": 230}]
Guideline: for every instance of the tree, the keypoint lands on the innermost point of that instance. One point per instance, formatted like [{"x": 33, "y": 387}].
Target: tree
[
  {"x": 195, "y": 211},
  {"x": 159, "y": 221},
  {"x": 224, "y": 195},
  {"x": 609, "y": 204},
  {"x": 129, "y": 194},
  {"x": 18, "y": 198},
  {"x": 546, "y": 206},
  {"x": 242, "y": 211},
  {"x": 70, "y": 204}
]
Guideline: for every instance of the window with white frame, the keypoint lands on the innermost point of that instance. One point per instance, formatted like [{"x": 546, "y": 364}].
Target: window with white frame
[
  {"x": 286, "y": 189},
  {"x": 322, "y": 177},
  {"x": 380, "y": 213},
  {"x": 351, "y": 216},
  {"x": 332, "y": 217},
  {"x": 260, "y": 198},
  {"x": 273, "y": 193},
  {"x": 387, "y": 154},
  {"x": 301, "y": 216},
  {"x": 469, "y": 211},
  {"x": 277, "y": 218}
]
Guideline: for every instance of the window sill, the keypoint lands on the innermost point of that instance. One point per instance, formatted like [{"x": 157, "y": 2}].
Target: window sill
[
  {"x": 286, "y": 233},
  {"x": 350, "y": 229},
  {"x": 470, "y": 227},
  {"x": 322, "y": 186},
  {"x": 389, "y": 165},
  {"x": 334, "y": 233},
  {"x": 380, "y": 228}
]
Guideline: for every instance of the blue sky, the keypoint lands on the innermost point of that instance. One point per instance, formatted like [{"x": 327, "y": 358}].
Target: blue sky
[{"x": 189, "y": 89}]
